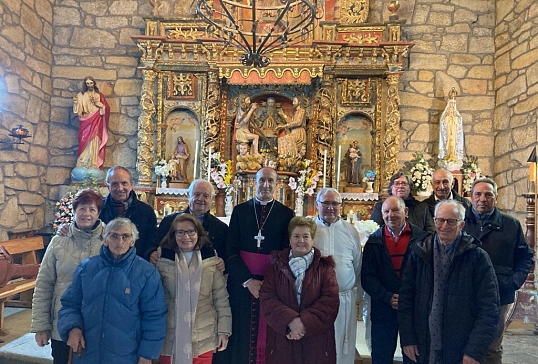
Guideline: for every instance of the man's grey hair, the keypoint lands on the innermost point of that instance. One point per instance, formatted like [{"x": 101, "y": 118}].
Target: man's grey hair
[
  {"x": 198, "y": 181},
  {"x": 116, "y": 168},
  {"x": 485, "y": 180},
  {"x": 118, "y": 224},
  {"x": 324, "y": 191},
  {"x": 459, "y": 209}
]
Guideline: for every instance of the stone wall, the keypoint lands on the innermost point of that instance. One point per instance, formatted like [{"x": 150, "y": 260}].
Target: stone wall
[
  {"x": 25, "y": 94},
  {"x": 516, "y": 103}
]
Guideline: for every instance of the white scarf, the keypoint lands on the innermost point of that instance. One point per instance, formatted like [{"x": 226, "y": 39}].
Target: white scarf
[{"x": 298, "y": 267}]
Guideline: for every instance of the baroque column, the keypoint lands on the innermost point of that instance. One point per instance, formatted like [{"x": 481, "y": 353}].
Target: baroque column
[
  {"x": 391, "y": 140},
  {"x": 145, "y": 144},
  {"x": 211, "y": 130},
  {"x": 325, "y": 121}
]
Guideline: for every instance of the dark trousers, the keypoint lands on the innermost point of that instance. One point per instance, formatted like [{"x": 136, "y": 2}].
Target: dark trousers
[
  {"x": 60, "y": 352},
  {"x": 384, "y": 340}
]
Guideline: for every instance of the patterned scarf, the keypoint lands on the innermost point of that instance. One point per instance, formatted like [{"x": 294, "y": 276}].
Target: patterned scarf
[
  {"x": 189, "y": 276},
  {"x": 298, "y": 267}
]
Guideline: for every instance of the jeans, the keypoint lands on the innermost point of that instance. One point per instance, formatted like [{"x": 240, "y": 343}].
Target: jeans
[{"x": 384, "y": 340}]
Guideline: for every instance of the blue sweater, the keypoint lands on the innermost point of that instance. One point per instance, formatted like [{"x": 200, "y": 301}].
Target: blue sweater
[{"x": 119, "y": 305}]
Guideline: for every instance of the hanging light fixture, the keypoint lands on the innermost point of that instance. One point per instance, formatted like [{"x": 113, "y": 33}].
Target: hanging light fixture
[{"x": 259, "y": 27}]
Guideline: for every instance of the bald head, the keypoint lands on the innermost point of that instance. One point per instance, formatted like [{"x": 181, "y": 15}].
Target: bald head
[
  {"x": 266, "y": 178},
  {"x": 442, "y": 183}
]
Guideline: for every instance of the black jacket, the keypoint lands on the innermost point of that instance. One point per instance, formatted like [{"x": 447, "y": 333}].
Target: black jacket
[
  {"x": 502, "y": 238},
  {"x": 431, "y": 202},
  {"x": 216, "y": 231},
  {"x": 142, "y": 215},
  {"x": 418, "y": 214},
  {"x": 378, "y": 277},
  {"x": 471, "y": 302}
]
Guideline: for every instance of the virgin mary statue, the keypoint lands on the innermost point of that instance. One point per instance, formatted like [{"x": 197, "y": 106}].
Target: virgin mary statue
[{"x": 451, "y": 145}]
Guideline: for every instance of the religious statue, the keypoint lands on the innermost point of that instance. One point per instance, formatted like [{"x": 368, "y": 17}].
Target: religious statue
[
  {"x": 294, "y": 131},
  {"x": 354, "y": 162},
  {"x": 93, "y": 111},
  {"x": 180, "y": 158},
  {"x": 269, "y": 117},
  {"x": 242, "y": 121},
  {"x": 451, "y": 145},
  {"x": 247, "y": 161}
]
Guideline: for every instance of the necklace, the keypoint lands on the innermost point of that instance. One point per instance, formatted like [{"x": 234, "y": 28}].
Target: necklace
[{"x": 260, "y": 237}]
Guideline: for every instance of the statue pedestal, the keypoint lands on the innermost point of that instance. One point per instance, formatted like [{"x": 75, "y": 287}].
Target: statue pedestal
[
  {"x": 353, "y": 189},
  {"x": 176, "y": 184}
]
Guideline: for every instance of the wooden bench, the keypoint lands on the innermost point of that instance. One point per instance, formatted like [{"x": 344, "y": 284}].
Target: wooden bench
[{"x": 25, "y": 250}]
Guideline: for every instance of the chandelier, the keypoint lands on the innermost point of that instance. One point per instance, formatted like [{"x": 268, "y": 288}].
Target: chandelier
[{"x": 258, "y": 27}]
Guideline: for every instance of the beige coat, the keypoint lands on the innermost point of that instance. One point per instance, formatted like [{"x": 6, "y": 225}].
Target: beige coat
[
  {"x": 62, "y": 258},
  {"x": 213, "y": 314}
]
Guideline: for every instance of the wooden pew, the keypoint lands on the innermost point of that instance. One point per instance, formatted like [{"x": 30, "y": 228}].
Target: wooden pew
[{"x": 24, "y": 287}]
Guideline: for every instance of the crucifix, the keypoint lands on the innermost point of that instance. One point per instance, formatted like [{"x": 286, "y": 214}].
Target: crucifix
[{"x": 259, "y": 238}]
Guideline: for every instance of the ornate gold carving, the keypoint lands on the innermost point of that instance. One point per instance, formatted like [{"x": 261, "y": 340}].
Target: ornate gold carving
[
  {"x": 313, "y": 71},
  {"x": 354, "y": 11},
  {"x": 186, "y": 34},
  {"x": 182, "y": 84},
  {"x": 391, "y": 142},
  {"x": 355, "y": 91},
  {"x": 361, "y": 39},
  {"x": 144, "y": 162},
  {"x": 324, "y": 135},
  {"x": 212, "y": 115}
]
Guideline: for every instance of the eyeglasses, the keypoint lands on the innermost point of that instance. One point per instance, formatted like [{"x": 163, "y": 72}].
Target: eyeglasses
[
  {"x": 439, "y": 221},
  {"x": 188, "y": 232},
  {"x": 402, "y": 184},
  {"x": 116, "y": 237},
  {"x": 330, "y": 204}
]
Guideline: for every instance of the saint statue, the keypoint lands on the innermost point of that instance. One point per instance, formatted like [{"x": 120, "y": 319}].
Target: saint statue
[
  {"x": 294, "y": 131},
  {"x": 247, "y": 161},
  {"x": 451, "y": 134},
  {"x": 180, "y": 158},
  {"x": 354, "y": 162},
  {"x": 242, "y": 119},
  {"x": 269, "y": 117},
  {"x": 93, "y": 111}
]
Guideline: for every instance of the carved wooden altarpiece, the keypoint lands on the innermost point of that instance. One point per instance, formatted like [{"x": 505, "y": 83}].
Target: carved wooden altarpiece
[{"x": 347, "y": 77}]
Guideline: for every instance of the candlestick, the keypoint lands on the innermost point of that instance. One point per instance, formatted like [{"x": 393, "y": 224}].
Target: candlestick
[
  {"x": 338, "y": 168},
  {"x": 209, "y": 165},
  {"x": 194, "y": 174},
  {"x": 324, "y": 168}
]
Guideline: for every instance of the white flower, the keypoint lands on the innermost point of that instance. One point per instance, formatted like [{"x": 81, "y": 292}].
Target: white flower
[{"x": 367, "y": 226}]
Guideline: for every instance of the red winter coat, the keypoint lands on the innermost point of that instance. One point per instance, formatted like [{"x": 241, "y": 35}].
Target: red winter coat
[{"x": 318, "y": 310}]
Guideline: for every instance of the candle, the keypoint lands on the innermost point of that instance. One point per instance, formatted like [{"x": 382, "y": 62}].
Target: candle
[
  {"x": 195, "y": 161},
  {"x": 209, "y": 165},
  {"x": 324, "y": 168},
  {"x": 338, "y": 168},
  {"x": 350, "y": 216},
  {"x": 532, "y": 172}
]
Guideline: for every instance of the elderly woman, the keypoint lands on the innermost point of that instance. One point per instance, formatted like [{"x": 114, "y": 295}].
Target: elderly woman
[
  {"x": 114, "y": 312},
  {"x": 199, "y": 317},
  {"x": 299, "y": 299},
  {"x": 418, "y": 214},
  {"x": 63, "y": 256}
]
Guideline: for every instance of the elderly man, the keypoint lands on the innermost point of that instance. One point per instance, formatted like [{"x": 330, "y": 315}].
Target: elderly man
[
  {"x": 200, "y": 195},
  {"x": 384, "y": 256},
  {"x": 257, "y": 227},
  {"x": 340, "y": 239},
  {"x": 442, "y": 184},
  {"x": 502, "y": 238},
  {"x": 417, "y": 214},
  {"x": 448, "y": 304}
]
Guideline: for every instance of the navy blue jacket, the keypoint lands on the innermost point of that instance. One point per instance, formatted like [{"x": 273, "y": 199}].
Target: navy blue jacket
[
  {"x": 120, "y": 307},
  {"x": 502, "y": 238},
  {"x": 471, "y": 302}
]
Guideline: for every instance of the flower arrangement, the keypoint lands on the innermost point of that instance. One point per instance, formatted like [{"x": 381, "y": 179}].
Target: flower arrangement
[
  {"x": 163, "y": 168},
  {"x": 369, "y": 176},
  {"x": 63, "y": 209},
  {"x": 222, "y": 175},
  {"x": 421, "y": 173},
  {"x": 470, "y": 172},
  {"x": 367, "y": 226},
  {"x": 307, "y": 181}
]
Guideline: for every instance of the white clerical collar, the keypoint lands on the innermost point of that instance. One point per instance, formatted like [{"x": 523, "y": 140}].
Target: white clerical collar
[
  {"x": 263, "y": 203},
  {"x": 450, "y": 197}
]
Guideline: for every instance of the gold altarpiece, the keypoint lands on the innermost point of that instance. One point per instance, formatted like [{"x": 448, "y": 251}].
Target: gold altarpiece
[{"x": 347, "y": 78}]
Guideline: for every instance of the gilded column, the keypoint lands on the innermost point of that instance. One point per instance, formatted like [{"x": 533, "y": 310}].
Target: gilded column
[
  {"x": 391, "y": 141},
  {"x": 212, "y": 117},
  {"x": 325, "y": 120},
  {"x": 146, "y": 128}
]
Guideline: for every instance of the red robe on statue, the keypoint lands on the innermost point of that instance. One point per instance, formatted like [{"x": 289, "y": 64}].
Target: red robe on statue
[{"x": 94, "y": 125}]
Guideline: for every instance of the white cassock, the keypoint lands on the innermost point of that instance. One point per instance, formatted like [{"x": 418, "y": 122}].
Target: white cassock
[{"x": 342, "y": 241}]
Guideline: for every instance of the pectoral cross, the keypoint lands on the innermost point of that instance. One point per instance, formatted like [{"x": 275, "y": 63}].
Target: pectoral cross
[{"x": 259, "y": 238}]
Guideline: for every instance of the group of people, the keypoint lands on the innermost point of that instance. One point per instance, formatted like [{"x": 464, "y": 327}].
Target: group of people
[
  {"x": 274, "y": 288},
  {"x": 441, "y": 273}
]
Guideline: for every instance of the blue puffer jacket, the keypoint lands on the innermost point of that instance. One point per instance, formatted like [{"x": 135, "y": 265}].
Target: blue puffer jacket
[{"x": 119, "y": 305}]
